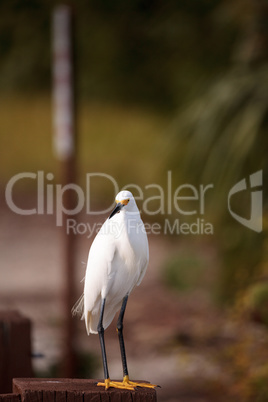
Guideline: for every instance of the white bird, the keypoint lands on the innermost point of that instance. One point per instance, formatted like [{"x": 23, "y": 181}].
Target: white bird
[{"x": 117, "y": 262}]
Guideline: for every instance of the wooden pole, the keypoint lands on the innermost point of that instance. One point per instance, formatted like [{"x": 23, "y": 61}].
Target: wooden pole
[
  {"x": 64, "y": 146},
  {"x": 15, "y": 348}
]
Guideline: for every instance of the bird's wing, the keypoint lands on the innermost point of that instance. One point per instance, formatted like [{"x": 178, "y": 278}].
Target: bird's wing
[
  {"x": 100, "y": 257},
  {"x": 143, "y": 270},
  {"x": 144, "y": 258},
  {"x": 98, "y": 274}
]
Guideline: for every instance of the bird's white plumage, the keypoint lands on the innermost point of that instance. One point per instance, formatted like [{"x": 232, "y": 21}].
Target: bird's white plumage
[{"x": 117, "y": 262}]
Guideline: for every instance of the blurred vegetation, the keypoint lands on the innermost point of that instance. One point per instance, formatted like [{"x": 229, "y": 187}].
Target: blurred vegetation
[
  {"x": 247, "y": 359},
  {"x": 247, "y": 355},
  {"x": 26, "y": 141},
  {"x": 255, "y": 302},
  {"x": 144, "y": 51},
  {"x": 185, "y": 272},
  {"x": 221, "y": 138},
  {"x": 86, "y": 366}
]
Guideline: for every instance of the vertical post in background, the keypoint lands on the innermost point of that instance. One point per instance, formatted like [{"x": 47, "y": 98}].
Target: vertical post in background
[{"x": 64, "y": 146}]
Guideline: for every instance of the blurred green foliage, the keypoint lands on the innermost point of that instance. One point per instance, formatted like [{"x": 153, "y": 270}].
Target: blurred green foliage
[
  {"x": 26, "y": 140},
  {"x": 256, "y": 302},
  {"x": 221, "y": 138},
  {"x": 259, "y": 385},
  {"x": 144, "y": 51},
  {"x": 185, "y": 272},
  {"x": 86, "y": 366},
  {"x": 246, "y": 356}
]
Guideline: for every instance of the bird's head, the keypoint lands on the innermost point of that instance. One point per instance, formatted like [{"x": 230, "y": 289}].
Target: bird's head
[{"x": 124, "y": 201}]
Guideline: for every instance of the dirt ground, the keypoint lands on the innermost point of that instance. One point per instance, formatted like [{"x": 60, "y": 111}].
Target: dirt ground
[{"x": 171, "y": 339}]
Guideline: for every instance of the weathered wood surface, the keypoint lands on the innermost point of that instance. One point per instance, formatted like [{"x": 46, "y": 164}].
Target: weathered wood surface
[
  {"x": 15, "y": 348},
  {"x": 75, "y": 390},
  {"x": 10, "y": 398}
]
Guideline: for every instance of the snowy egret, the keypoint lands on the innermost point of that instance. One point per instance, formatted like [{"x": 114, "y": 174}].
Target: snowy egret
[{"x": 117, "y": 262}]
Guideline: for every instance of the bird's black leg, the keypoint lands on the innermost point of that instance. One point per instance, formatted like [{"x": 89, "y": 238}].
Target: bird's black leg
[
  {"x": 101, "y": 336},
  {"x": 107, "y": 382},
  {"x": 120, "y": 336},
  {"x": 126, "y": 382}
]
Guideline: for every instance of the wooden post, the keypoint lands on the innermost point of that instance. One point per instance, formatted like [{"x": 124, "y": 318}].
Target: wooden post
[
  {"x": 10, "y": 398},
  {"x": 64, "y": 146},
  {"x": 74, "y": 390},
  {"x": 15, "y": 348}
]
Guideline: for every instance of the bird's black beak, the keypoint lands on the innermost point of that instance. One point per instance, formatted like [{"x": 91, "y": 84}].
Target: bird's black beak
[{"x": 118, "y": 207}]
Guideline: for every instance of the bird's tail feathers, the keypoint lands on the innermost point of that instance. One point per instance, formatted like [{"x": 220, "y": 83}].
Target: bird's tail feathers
[
  {"x": 92, "y": 320},
  {"x": 78, "y": 308},
  {"x": 91, "y": 323}
]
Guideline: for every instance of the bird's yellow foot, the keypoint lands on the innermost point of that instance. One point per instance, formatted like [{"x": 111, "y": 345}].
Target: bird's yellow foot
[
  {"x": 115, "y": 384},
  {"x": 133, "y": 384}
]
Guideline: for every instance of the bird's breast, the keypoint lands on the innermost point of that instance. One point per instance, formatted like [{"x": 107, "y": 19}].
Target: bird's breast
[{"x": 132, "y": 252}]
